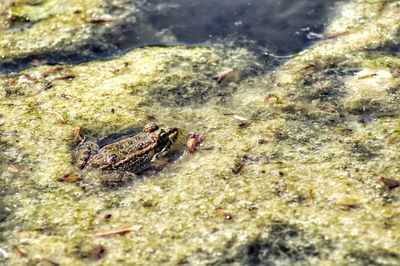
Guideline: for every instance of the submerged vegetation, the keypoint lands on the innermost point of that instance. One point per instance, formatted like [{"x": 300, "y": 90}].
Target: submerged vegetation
[{"x": 296, "y": 165}]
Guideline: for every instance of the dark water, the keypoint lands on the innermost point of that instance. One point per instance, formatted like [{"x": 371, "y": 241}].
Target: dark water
[
  {"x": 279, "y": 27},
  {"x": 284, "y": 26}
]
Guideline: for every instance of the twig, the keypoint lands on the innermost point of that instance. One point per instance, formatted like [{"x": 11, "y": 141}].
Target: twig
[{"x": 118, "y": 231}]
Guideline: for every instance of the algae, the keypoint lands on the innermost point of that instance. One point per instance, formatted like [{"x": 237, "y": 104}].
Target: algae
[
  {"x": 47, "y": 31},
  {"x": 289, "y": 173}
]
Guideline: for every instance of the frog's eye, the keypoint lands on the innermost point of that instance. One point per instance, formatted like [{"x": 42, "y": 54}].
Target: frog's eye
[
  {"x": 150, "y": 127},
  {"x": 174, "y": 135}
]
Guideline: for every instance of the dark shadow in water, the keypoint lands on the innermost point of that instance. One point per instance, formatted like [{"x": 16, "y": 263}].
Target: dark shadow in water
[
  {"x": 286, "y": 244},
  {"x": 281, "y": 27}
]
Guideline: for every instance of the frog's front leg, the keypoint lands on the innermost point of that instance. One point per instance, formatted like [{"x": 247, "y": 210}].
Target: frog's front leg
[{"x": 83, "y": 152}]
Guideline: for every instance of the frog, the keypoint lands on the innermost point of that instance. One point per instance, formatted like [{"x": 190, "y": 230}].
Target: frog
[{"x": 127, "y": 157}]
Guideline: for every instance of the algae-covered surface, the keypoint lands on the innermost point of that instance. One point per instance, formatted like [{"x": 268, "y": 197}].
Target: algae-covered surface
[
  {"x": 37, "y": 31},
  {"x": 299, "y": 164}
]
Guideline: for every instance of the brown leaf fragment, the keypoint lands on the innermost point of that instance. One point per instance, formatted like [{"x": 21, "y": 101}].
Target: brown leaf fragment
[
  {"x": 193, "y": 139},
  {"x": 224, "y": 75},
  {"x": 191, "y": 142},
  {"x": 347, "y": 207},
  {"x": 390, "y": 183},
  {"x": 337, "y": 35},
  {"x": 244, "y": 124},
  {"x": 72, "y": 179},
  {"x": 310, "y": 193},
  {"x": 107, "y": 216},
  {"x": 119, "y": 231},
  {"x": 367, "y": 76},
  {"x": 101, "y": 20},
  {"x": 20, "y": 251},
  {"x": 67, "y": 178},
  {"x": 50, "y": 262},
  {"x": 13, "y": 168},
  {"x": 382, "y": 6},
  {"x": 262, "y": 141},
  {"x": 67, "y": 97}
]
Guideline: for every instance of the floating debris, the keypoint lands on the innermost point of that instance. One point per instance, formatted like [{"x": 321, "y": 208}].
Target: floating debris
[
  {"x": 367, "y": 76},
  {"x": 13, "y": 168},
  {"x": 107, "y": 216},
  {"x": 97, "y": 252},
  {"x": 50, "y": 262},
  {"x": 120, "y": 231},
  {"x": 241, "y": 118},
  {"x": 245, "y": 124},
  {"x": 224, "y": 75},
  {"x": 59, "y": 116},
  {"x": 310, "y": 193},
  {"x": 101, "y": 20},
  {"x": 20, "y": 251},
  {"x": 262, "y": 141},
  {"x": 194, "y": 139},
  {"x": 237, "y": 168},
  {"x": 347, "y": 203},
  {"x": 68, "y": 179},
  {"x": 228, "y": 216},
  {"x": 225, "y": 214},
  {"x": 347, "y": 207},
  {"x": 390, "y": 183}
]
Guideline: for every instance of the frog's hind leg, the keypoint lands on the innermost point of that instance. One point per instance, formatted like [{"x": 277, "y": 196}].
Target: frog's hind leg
[
  {"x": 116, "y": 178},
  {"x": 83, "y": 152}
]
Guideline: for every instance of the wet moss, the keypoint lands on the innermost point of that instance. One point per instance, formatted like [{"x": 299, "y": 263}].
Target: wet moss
[{"x": 78, "y": 30}]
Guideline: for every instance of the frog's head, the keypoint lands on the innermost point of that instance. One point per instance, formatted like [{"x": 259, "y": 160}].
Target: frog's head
[{"x": 165, "y": 139}]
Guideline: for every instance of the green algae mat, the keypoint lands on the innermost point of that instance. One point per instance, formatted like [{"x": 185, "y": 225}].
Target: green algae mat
[
  {"x": 298, "y": 165},
  {"x": 36, "y": 31}
]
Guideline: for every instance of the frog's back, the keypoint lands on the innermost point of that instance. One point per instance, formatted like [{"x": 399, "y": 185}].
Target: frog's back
[{"x": 129, "y": 154}]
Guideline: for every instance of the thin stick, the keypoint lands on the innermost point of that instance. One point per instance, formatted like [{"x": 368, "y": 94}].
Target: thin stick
[{"x": 122, "y": 230}]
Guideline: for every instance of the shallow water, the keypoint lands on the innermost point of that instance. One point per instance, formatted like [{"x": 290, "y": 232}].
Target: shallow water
[
  {"x": 279, "y": 27},
  {"x": 283, "y": 27}
]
